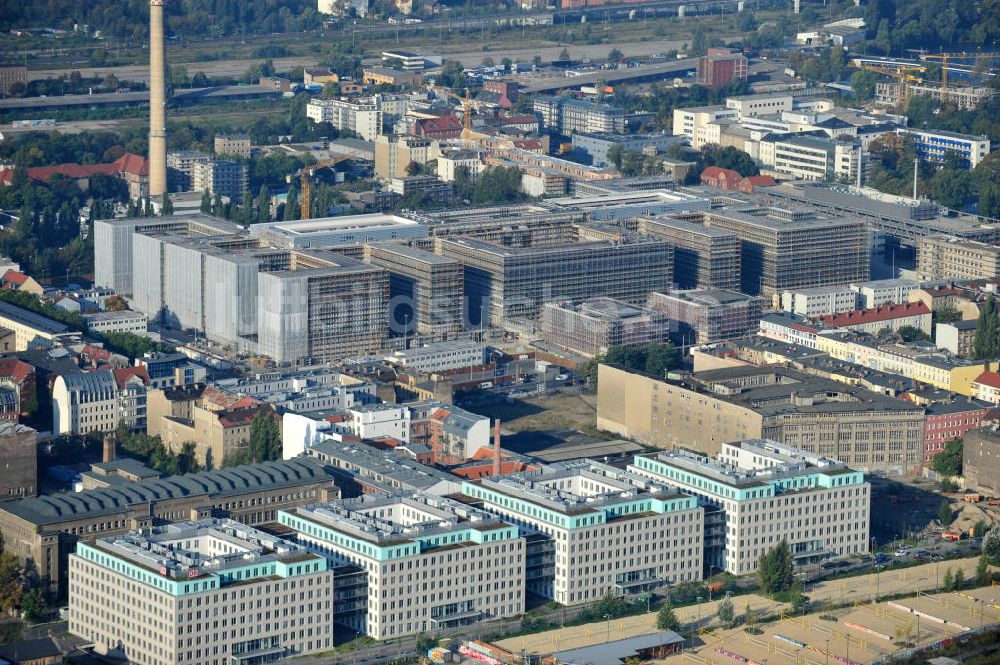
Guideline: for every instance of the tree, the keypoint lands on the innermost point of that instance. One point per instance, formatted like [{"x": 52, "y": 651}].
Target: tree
[
  {"x": 775, "y": 569},
  {"x": 425, "y": 643},
  {"x": 564, "y": 54},
  {"x": 863, "y": 83},
  {"x": 614, "y": 55},
  {"x": 798, "y": 600},
  {"x": 991, "y": 545},
  {"x": 291, "y": 205},
  {"x": 660, "y": 358},
  {"x": 726, "y": 612},
  {"x": 944, "y": 513},
  {"x": 206, "y": 202},
  {"x": 115, "y": 303},
  {"x": 263, "y": 204},
  {"x": 34, "y": 606},
  {"x": 948, "y": 462},
  {"x": 265, "y": 439},
  {"x": 166, "y": 206},
  {"x": 986, "y": 343},
  {"x": 11, "y": 583},
  {"x": 983, "y": 576},
  {"x": 911, "y": 333},
  {"x": 749, "y": 616},
  {"x": 948, "y": 582},
  {"x": 537, "y": 61},
  {"x": 959, "y": 581},
  {"x": 615, "y": 154},
  {"x": 666, "y": 619}
]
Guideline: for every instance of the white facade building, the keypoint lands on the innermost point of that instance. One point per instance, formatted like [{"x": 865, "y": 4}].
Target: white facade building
[
  {"x": 361, "y": 116},
  {"x": 884, "y": 292},
  {"x": 130, "y": 322},
  {"x": 820, "y": 300},
  {"x": 440, "y": 356}
]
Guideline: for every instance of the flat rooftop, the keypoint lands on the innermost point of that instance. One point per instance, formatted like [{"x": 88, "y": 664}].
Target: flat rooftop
[
  {"x": 31, "y": 320},
  {"x": 304, "y": 227},
  {"x": 612, "y": 200}
]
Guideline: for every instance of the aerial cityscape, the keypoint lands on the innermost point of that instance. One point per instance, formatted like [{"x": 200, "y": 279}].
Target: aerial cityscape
[{"x": 516, "y": 332}]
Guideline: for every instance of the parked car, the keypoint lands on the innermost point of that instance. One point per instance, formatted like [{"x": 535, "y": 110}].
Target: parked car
[
  {"x": 880, "y": 559},
  {"x": 830, "y": 565},
  {"x": 901, "y": 552}
]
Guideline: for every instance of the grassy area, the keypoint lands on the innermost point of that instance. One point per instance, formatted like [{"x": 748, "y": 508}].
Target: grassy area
[{"x": 558, "y": 412}]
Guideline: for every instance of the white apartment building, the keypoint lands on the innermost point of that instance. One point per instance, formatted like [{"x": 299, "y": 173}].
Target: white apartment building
[
  {"x": 820, "y": 300},
  {"x": 753, "y": 105},
  {"x": 812, "y": 157},
  {"x": 448, "y": 162},
  {"x": 686, "y": 121},
  {"x": 884, "y": 292},
  {"x": 771, "y": 492},
  {"x": 95, "y": 402},
  {"x": 428, "y": 563},
  {"x": 378, "y": 421},
  {"x": 595, "y": 529},
  {"x": 440, "y": 356},
  {"x": 127, "y": 321},
  {"x": 200, "y": 593},
  {"x": 361, "y": 116}
]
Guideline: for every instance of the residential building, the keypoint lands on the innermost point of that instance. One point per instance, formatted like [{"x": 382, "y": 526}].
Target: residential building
[
  {"x": 361, "y": 116},
  {"x": 820, "y": 300},
  {"x": 453, "y": 435},
  {"x": 986, "y": 387},
  {"x": 806, "y": 157},
  {"x": 18, "y": 461},
  {"x": 428, "y": 187},
  {"x": 98, "y": 401},
  {"x": 707, "y": 316},
  {"x": 180, "y": 169},
  {"x": 465, "y": 565},
  {"x": 704, "y": 257},
  {"x": 594, "y": 530},
  {"x": 131, "y": 594},
  {"x": 220, "y": 176},
  {"x": 595, "y": 146},
  {"x": 593, "y": 326},
  {"x": 124, "y": 321},
  {"x": 769, "y": 493},
  {"x": 438, "y": 128},
  {"x": 394, "y": 154},
  {"x": 18, "y": 281},
  {"x": 20, "y": 377},
  {"x": 235, "y": 145},
  {"x": 946, "y": 257},
  {"x": 689, "y": 120},
  {"x": 567, "y": 116},
  {"x": 981, "y": 461},
  {"x": 871, "y": 321},
  {"x": 12, "y": 75},
  {"x": 951, "y": 420},
  {"x": 956, "y": 337},
  {"x": 449, "y": 162},
  {"x": 46, "y": 529},
  {"x": 864, "y": 429},
  {"x": 312, "y": 389},
  {"x": 721, "y": 178},
  {"x": 31, "y": 330},
  {"x": 884, "y": 292},
  {"x": 935, "y": 145},
  {"x": 720, "y": 67},
  {"x": 166, "y": 370}
]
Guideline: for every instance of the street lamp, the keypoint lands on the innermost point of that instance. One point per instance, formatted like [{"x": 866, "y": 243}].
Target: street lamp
[
  {"x": 878, "y": 569},
  {"x": 828, "y": 652},
  {"x": 608, "y": 617}
]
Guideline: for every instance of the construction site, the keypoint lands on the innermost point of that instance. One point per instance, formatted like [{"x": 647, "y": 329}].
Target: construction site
[{"x": 917, "y": 78}]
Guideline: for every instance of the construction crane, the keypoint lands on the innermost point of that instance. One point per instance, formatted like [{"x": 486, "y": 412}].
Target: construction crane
[
  {"x": 944, "y": 57},
  {"x": 468, "y": 136},
  {"x": 900, "y": 72},
  {"x": 306, "y": 177}
]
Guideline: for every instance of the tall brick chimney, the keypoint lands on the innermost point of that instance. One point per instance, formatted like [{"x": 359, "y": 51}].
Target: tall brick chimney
[{"x": 496, "y": 449}]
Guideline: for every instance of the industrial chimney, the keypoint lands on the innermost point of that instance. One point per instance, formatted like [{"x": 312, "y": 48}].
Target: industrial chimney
[
  {"x": 496, "y": 449},
  {"x": 109, "y": 449},
  {"x": 157, "y": 102}
]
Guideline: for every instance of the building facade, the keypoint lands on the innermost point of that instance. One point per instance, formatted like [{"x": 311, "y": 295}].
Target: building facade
[
  {"x": 19, "y": 465},
  {"x": 707, "y": 316},
  {"x": 593, "y": 326}
]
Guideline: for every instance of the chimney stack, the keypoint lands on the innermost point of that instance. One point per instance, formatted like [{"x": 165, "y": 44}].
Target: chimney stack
[
  {"x": 496, "y": 449},
  {"x": 157, "y": 102},
  {"x": 109, "y": 449}
]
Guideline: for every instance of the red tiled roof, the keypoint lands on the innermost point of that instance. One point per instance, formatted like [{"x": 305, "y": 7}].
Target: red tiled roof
[
  {"x": 872, "y": 315},
  {"x": 761, "y": 181},
  {"x": 128, "y": 163},
  {"x": 443, "y": 124},
  {"x": 14, "y": 369},
  {"x": 14, "y": 277},
  {"x": 991, "y": 379},
  {"x": 123, "y": 374},
  {"x": 716, "y": 171},
  {"x": 133, "y": 164}
]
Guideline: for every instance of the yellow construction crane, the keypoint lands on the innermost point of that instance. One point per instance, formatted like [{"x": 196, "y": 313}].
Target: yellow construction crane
[
  {"x": 902, "y": 73},
  {"x": 306, "y": 177},
  {"x": 468, "y": 136},
  {"x": 944, "y": 57}
]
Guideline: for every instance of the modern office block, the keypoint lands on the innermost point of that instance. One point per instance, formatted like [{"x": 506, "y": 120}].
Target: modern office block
[
  {"x": 593, "y": 326},
  {"x": 704, "y": 257},
  {"x": 707, "y": 316},
  {"x": 566, "y": 116}
]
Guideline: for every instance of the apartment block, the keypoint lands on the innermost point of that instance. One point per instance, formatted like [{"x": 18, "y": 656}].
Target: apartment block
[
  {"x": 956, "y": 337},
  {"x": 702, "y": 411},
  {"x": 19, "y": 465},
  {"x": 981, "y": 461},
  {"x": 98, "y": 401},
  {"x": 771, "y": 492},
  {"x": 180, "y": 169},
  {"x": 46, "y": 529},
  {"x": 237, "y": 145},
  {"x": 567, "y": 116},
  {"x": 593, "y": 326},
  {"x": 132, "y": 595},
  {"x": 884, "y": 292},
  {"x": 394, "y": 154},
  {"x": 704, "y": 257},
  {"x": 819, "y": 301},
  {"x": 951, "y": 421},
  {"x": 593, "y": 529},
  {"x": 361, "y": 116},
  {"x": 947, "y": 257},
  {"x": 707, "y": 316},
  {"x": 935, "y": 145},
  {"x": 429, "y": 563},
  {"x": 875, "y": 320},
  {"x": 720, "y": 67},
  {"x": 788, "y": 248}
]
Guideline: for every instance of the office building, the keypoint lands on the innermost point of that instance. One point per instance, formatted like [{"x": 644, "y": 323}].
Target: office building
[
  {"x": 46, "y": 529},
  {"x": 594, "y": 530},
  {"x": 440, "y": 356},
  {"x": 946, "y": 257},
  {"x": 788, "y": 248},
  {"x": 19, "y": 465},
  {"x": 12, "y": 75},
  {"x": 819, "y": 300},
  {"x": 688, "y": 121},
  {"x": 884, "y": 292},
  {"x": 512, "y": 282},
  {"x": 595, "y": 146},
  {"x": 220, "y": 176},
  {"x": 720, "y": 67},
  {"x": 362, "y": 116},
  {"x": 360, "y": 468},
  {"x": 517, "y": 224},
  {"x": 235, "y": 145},
  {"x": 966, "y": 98},
  {"x": 124, "y": 321},
  {"x": 812, "y": 157},
  {"x": 707, "y": 316},
  {"x": 935, "y": 145},
  {"x": 260, "y": 598},
  {"x": 333, "y": 231},
  {"x": 593, "y": 326},
  {"x": 771, "y": 492},
  {"x": 617, "y": 207},
  {"x": 567, "y": 116},
  {"x": 981, "y": 461},
  {"x": 425, "y": 290},
  {"x": 950, "y": 421},
  {"x": 704, "y": 257},
  {"x": 449, "y": 162},
  {"x": 863, "y": 429}
]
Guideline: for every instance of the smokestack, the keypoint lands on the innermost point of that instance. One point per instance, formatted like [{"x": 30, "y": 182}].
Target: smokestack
[
  {"x": 157, "y": 102},
  {"x": 109, "y": 449},
  {"x": 496, "y": 449}
]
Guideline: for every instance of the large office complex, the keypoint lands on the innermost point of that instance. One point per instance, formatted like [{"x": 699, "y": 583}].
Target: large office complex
[
  {"x": 594, "y": 529},
  {"x": 425, "y": 290},
  {"x": 935, "y": 145},
  {"x": 771, "y": 492},
  {"x": 593, "y": 326},
  {"x": 948, "y": 257},
  {"x": 787, "y": 248},
  {"x": 46, "y": 529},
  {"x": 429, "y": 563},
  {"x": 567, "y": 116},
  {"x": 866, "y": 430},
  {"x": 334, "y": 231},
  {"x": 704, "y": 257},
  {"x": 259, "y": 598},
  {"x": 706, "y": 316},
  {"x": 596, "y": 145},
  {"x": 510, "y": 282}
]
